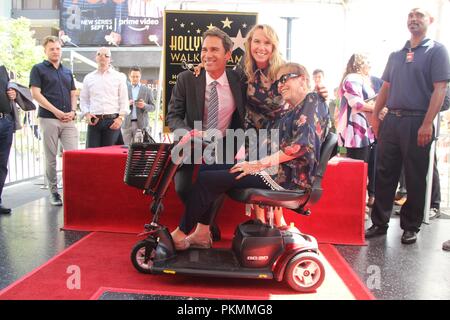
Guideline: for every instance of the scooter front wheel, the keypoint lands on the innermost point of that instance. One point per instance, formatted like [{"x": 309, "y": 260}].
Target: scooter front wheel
[
  {"x": 305, "y": 272},
  {"x": 142, "y": 255}
]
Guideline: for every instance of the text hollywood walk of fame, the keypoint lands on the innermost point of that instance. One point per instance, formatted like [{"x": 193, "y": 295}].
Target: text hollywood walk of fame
[{"x": 186, "y": 37}]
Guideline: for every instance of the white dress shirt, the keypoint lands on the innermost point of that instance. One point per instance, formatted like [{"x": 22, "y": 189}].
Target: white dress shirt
[
  {"x": 104, "y": 93},
  {"x": 226, "y": 101}
]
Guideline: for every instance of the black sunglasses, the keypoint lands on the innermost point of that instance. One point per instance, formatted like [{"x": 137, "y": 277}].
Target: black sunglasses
[
  {"x": 287, "y": 76},
  {"x": 103, "y": 54}
]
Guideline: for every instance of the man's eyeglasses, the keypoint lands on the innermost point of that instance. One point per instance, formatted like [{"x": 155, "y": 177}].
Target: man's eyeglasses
[
  {"x": 106, "y": 55},
  {"x": 286, "y": 77}
]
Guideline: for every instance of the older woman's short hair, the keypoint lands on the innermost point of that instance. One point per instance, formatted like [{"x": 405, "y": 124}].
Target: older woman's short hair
[{"x": 292, "y": 67}]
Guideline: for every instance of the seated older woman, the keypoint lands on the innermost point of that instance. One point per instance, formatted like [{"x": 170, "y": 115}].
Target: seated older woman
[{"x": 291, "y": 165}]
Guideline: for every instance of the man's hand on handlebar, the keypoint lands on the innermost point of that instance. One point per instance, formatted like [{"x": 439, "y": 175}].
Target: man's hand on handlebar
[{"x": 191, "y": 135}]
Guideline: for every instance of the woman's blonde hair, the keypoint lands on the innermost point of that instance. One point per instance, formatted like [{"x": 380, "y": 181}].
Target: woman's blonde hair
[{"x": 275, "y": 60}]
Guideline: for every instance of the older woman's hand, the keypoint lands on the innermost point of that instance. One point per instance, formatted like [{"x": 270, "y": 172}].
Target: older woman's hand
[{"x": 246, "y": 168}]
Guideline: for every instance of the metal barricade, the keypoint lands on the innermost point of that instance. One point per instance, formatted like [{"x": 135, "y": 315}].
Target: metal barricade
[{"x": 26, "y": 159}]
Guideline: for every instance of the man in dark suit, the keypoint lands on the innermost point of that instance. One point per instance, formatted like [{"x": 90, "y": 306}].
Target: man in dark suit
[
  {"x": 7, "y": 128},
  {"x": 192, "y": 96},
  {"x": 141, "y": 103}
]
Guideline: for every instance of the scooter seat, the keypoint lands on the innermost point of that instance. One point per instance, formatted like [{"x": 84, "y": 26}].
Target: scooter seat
[
  {"x": 287, "y": 199},
  {"x": 291, "y": 199}
]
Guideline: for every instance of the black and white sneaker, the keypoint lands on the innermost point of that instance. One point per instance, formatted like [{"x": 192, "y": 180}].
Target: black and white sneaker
[
  {"x": 55, "y": 199},
  {"x": 435, "y": 213}
]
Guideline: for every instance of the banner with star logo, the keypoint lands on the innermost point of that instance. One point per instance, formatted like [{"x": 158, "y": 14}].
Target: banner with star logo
[{"x": 183, "y": 32}]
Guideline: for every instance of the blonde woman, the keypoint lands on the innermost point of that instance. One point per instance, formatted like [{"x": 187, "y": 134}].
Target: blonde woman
[{"x": 264, "y": 103}]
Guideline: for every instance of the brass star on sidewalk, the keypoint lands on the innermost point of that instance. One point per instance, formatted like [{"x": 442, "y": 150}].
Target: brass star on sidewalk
[{"x": 226, "y": 23}]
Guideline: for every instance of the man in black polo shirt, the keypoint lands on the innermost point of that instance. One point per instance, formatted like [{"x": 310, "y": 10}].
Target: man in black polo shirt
[
  {"x": 6, "y": 130},
  {"x": 53, "y": 87},
  {"x": 415, "y": 83}
]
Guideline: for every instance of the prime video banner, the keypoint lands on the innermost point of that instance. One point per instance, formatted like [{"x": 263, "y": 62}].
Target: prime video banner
[{"x": 111, "y": 22}]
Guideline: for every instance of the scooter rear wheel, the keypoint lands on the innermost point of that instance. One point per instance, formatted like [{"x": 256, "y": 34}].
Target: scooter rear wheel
[
  {"x": 305, "y": 272},
  {"x": 141, "y": 261}
]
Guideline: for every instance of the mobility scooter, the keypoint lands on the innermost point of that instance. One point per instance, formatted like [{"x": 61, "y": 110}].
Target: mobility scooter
[{"x": 258, "y": 251}]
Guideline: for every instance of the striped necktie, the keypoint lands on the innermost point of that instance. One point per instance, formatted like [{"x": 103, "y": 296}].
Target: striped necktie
[{"x": 213, "y": 107}]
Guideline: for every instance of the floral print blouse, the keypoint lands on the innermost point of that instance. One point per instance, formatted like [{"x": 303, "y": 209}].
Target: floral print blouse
[
  {"x": 263, "y": 100},
  {"x": 353, "y": 126},
  {"x": 302, "y": 129}
]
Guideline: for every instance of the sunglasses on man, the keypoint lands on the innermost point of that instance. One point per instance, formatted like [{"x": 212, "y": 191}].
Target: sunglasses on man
[
  {"x": 106, "y": 55},
  {"x": 286, "y": 77}
]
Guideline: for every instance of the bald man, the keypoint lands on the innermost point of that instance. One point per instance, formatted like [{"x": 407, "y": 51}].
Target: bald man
[
  {"x": 415, "y": 84},
  {"x": 104, "y": 102}
]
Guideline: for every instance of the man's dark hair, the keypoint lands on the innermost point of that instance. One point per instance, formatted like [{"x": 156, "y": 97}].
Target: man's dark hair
[
  {"x": 216, "y": 32},
  {"x": 135, "y": 68},
  {"x": 318, "y": 71}
]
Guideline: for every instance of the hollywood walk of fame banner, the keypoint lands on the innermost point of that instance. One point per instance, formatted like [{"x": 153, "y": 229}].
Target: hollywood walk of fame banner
[{"x": 183, "y": 41}]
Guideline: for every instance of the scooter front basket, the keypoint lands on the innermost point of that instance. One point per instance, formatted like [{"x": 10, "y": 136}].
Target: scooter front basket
[{"x": 145, "y": 163}]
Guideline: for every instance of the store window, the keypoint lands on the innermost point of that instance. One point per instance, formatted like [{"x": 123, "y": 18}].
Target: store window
[{"x": 36, "y": 4}]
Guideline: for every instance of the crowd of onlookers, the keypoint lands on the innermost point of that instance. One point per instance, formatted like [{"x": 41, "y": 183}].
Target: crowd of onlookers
[{"x": 386, "y": 122}]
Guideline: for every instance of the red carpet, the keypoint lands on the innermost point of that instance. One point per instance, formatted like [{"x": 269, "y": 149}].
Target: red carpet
[
  {"x": 103, "y": 262},
  {"x": 96, "y": 199}
]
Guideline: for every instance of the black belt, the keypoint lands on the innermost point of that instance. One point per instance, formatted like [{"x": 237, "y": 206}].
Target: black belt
[
  {"x": 133, "y": 120},
  {"x": 4, "y": 115},
  {"x": 106, "y": 116},
  {"x": 406, "y": 113}
]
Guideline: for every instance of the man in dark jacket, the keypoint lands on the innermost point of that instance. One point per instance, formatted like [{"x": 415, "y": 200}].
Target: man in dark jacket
[
  {"x": 192, "y": 97},
  {"x": 6, "y": 129},
  {"x": 141, "y": 103}
]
